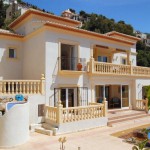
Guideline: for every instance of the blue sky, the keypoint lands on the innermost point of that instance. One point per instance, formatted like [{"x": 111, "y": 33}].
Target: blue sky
[{"x": 134, "y": 12}]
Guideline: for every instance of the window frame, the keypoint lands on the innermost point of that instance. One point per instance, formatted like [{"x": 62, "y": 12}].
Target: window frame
[{"x": 15, "y": 53}]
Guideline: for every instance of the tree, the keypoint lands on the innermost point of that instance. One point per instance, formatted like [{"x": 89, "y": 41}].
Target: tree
[
  {"x": 72, "y": 10},
  {"x": 2, "y": 13}
]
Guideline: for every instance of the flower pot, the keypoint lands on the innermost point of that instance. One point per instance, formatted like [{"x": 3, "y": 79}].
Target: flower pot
[{"x": 79, "y": 66}]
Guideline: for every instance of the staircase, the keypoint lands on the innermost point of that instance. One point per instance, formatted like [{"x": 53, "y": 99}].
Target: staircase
[
  {"x": 46, "y": 129},
  {"x": 118, "y": 117}
]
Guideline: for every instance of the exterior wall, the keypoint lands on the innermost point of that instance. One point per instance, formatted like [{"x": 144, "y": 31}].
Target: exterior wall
[
  {"x": 10, "y": 68},
  {"x": 139, "y": 84},
  {"x": 34, "y": 57},
  {"x": 52, "y": 52},
  {"x": 34, "y": 102},
  {"x": 14, "y": 126},
  {"x": 25, "y": 28},
  {"x": 110, "y": 80},
  {"x": 34, "y": 22},
  {"x": 81, "y": 125}
]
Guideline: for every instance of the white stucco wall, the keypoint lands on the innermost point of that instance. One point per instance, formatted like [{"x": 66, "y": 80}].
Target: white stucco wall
[
  {"x": 10, "y": 68},
  {"x": 34, "y": 102},
  {"x": 52, "y": 52},
  {"x": 14, "y": 126},
  {"x": 34, "y": 57},
  {"x": 139, "y": 84},
  {"x": 25, "y": 28}
]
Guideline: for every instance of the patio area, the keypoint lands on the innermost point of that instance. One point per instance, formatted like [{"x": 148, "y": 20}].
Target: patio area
[{"x": 98, "y": 138}]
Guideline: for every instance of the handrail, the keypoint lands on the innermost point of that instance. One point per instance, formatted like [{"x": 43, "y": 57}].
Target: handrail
[
  {"x": 142, "y": 105},
  {"x": 22, "y": 86},
  {"x": 117, "y": 69},
  {"x": 62, "y": 115}
]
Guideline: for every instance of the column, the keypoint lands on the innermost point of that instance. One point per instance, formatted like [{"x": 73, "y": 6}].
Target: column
[
  {"x": 91, "y": 51},
  {"x": 128, "y": 57}
]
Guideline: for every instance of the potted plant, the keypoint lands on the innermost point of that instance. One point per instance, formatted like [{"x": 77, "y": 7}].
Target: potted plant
[{"x": 79, "y": 66}]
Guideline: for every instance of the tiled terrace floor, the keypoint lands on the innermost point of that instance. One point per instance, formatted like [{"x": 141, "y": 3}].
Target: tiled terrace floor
[{"x": 94, "y": 139}]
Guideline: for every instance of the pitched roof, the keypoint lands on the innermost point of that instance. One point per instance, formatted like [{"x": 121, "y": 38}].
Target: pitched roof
[
  {"x": 89, "y": 33},
  {"x": 40, "y": 13},
  {"x": 112, "y": 33},
  {"x": 10, "y": 33}
]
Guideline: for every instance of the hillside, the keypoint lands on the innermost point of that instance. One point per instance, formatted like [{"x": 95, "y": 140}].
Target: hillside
[{"x": 102, "y": 24}]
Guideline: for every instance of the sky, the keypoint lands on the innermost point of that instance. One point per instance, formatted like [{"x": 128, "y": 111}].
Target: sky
[{"x": 133, "y": 12}]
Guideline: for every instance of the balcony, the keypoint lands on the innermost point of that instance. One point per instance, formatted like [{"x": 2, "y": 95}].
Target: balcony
[
  {"x": 72, "y": 65},
  {"x": 8, "y": 87},
  {"x": 102, "y": 68}
]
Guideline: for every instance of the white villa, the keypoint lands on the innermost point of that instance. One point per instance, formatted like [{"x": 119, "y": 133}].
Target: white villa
[{"x": 73, "y": 75}]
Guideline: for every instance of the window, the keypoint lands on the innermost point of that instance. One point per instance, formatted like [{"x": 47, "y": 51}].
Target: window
[
  {"x": 102, "y": 59},
  {"x": 124, "y": 61},
  {"x": 12, "y": 53}
]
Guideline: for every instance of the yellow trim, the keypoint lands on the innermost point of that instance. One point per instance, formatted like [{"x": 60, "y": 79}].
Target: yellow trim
[
  {"x": 16, "y": 50},
  {"x": 86, "y": 36},
  {"x": 68, "y": 85},
  {"x": 32, "y": 12},
  {"x": 23, "y": 22},
  {"x": 34, "y": 33},
  {"x": 71, "y": 73},
  {"x": 10, "y": 37},
  {"x": 69, "y": 42},
  {"x": 44, "y": 28},
  {"x": 123, "y": 35}
]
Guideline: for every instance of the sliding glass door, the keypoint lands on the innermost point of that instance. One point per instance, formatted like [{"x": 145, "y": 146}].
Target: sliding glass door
[{"x": 125, "y": 95}]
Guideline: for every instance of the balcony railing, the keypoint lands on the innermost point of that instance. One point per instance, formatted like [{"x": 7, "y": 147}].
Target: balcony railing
[
  {"x": 142, "y": 105},
  {"x": 64, "y": 115},
  {"x": 117, "y": 69},
  {"x": 72, "y": 63},
  {"x": 22, "y": 86},
  {"x": 111, "y": 68}
]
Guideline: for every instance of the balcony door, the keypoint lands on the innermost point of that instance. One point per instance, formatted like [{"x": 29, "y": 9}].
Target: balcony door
[
  {"x": 71, "y": 96},
  {"x": 67, "y": 97},
  {"x": 69, "y": 57}
]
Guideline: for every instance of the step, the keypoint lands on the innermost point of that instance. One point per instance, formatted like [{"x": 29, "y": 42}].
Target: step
[
  {"x": 33, "y": 126},
  {"x": 126, "y": 116},
  {"x": 127, "y": 120},
  {"x": 50, "y": 127},
  {"x": 44, "y": 131}
]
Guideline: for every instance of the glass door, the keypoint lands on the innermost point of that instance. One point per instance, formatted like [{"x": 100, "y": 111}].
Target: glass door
[
  {"x": 67, "y": 97},
  {"x": 125, "y": 96},
  {"x": 70, "y": 97},
  {"x": 63, "y": 97}
]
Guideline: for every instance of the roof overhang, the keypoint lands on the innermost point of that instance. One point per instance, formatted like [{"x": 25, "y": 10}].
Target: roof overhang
[
  {"x": 123, "y": 36},
  {"x": 42, "y": 14},
  {"x": 88, "y": 33}
]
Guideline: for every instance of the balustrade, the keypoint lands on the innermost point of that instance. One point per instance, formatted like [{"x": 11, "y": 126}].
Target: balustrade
[
  {"x": 63, "y": 115},
  {"x": 22, "y": 86},
  {"x": 142, "y": 105},
  {"x": 119, "y": 69}
]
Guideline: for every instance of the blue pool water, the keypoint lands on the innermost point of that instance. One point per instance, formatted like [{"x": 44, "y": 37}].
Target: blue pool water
[{"x": 10, "y": 105}]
